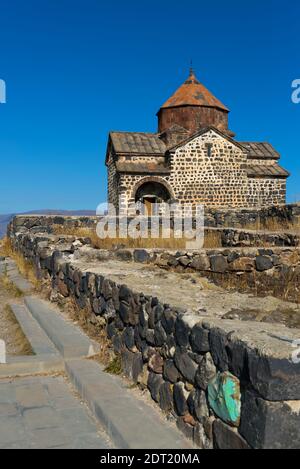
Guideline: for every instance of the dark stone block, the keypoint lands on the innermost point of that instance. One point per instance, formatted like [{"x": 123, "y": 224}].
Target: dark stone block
[
  {"x": 218, "y": 342},
  {"x": 218, "y": 263},
  {"x": 111, "y": 330},
  {"x": 154, "y": 383},
  {"x": 226, "y": 437},
  {"x": 132, "y": 364},
  {"x": 180, "y": 398},
  {"x": 265, "y": 252},
  {"x": 168, "y": 319},
  {"x": 117, "y": 344},
  {"x": 270, "y": 425},
  {"x": 166, "y": 397},
  {"x": 155, "y": 315},
  {"x": 186, "y": 365},
  {"x": 141, "y": 255},
  {"x": 106, "y": 289},
  {"x": 150, "y": 336},
  {"x": 206, "y": 372},
  {"x": 170, "y": 371},
  {"x": 263, "y": 263},
  {"x": 232, "y": 256},
  {"x": 182, "y": 332},
  {"x": 197, "y": 403},
  {"x": 124, "y": 311},
  {"x": 199, "y": 339},
  {"x": 124, "y": 293},
  {"x": 275, "y": 379},
  {"x": 128, "y": 338},
  {"x": 160, "y": 335}
]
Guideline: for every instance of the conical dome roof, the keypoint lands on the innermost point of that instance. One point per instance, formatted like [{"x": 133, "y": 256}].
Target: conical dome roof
[{"x": 193, "y": 93}]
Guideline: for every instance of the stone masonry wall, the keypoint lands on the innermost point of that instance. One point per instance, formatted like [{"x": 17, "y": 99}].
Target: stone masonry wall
[
  {"x": 228, "y": 384},
  {"x": 212, "y": 176}
]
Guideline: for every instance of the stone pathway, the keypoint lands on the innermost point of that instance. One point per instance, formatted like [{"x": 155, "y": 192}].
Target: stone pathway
[
  {"x": 43, "y": 413},
  {"x": 41, "y": 409}
]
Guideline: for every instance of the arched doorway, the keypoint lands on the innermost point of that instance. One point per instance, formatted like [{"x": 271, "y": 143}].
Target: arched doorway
[{"x": 150, "y": 194}]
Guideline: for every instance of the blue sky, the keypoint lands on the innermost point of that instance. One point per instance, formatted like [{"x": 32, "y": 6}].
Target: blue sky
[{"x": 76, "y": 69}]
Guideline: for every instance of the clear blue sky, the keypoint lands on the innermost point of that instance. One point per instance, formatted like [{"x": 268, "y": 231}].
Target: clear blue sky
[{"x": 76, "y": 69}]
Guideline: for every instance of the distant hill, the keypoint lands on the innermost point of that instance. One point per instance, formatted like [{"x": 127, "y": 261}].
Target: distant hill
[{"x": 5, "y": 219}]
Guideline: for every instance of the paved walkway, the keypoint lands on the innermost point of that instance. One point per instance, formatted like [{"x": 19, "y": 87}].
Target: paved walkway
[
  {"x": 42, "y": 413},
  {"x": 41, "y": 409}
]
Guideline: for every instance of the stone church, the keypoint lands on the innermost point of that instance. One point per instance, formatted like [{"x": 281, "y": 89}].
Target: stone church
[{"x": 193, "y": 158}]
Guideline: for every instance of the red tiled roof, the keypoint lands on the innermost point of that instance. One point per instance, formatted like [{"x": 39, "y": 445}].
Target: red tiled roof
[{"x": 193, "y": 93}]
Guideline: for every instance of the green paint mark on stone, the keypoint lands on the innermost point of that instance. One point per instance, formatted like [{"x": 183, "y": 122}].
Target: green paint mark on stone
[{"x": 224, "y": 397}]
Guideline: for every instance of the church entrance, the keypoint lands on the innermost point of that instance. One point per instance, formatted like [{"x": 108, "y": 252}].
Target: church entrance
[{"x": 150, "y": 195}]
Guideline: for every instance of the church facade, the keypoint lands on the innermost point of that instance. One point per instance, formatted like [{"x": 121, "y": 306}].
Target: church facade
[{"x": 193, "y": 159}]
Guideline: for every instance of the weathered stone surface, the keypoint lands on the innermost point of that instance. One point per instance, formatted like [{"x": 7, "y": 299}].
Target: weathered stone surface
[
  {"x": 154, "y": 383},
  {"x": 226, "y": 437},
  {"x": 232, "y": 256},
  {"x": 150, "y": 338},
  {"x": 185, "y": 428},
  {"x": 218, "y": 342},
  {"x": 274, "y": 379},
  {"x": 156, "y": 363},
  {"x": 270, "y": 425},
  {"x": 244, "y": 264},
  {"x": 160, "y": 335},
  {"x": 170, "y": 371},
  {"x": 197, "y": 404},
  {"x": 206, "y": 372},
  {"x": 168, "y": 320},
  {"x": 183, "y": 327},
  {"x": 166, "y": 397},
  {"x": 263, "y": 263},
  {"x": 186, "y": 365},
  {"x": 200, "y": 437},
  {"x": 141, "y": 255},
  {"x": 128, "y": 337},
  {"x": 117, "y": 343},
  {"x": 155, "y": 315},
  {"x": 180, "y": 398},
  {"x": 200, "y": 263},
  {"x": 224, "y": 397},
  {"x": 218, "y": 263},
  {"x": 199, "y": 339},
  {"x": 132, "y": 364}
]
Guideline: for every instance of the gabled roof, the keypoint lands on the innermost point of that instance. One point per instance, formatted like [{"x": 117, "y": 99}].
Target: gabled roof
[
  {"x": 204, "y": 131},
  {"x": 260, "y": 150},
  {"x": 266, "y": 170},
  {"x": 139, "y": 143},
  {"x": 193, "y": 93}
]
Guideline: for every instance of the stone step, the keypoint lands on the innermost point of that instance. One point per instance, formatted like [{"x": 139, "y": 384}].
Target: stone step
[
  {"x": 39, "y": 341},
  {"x": 67, "y": 338},
  {"x": 9, "y": 267},
  {"x": 31, "y": 365},
  {"x": 130, "y": 422}
]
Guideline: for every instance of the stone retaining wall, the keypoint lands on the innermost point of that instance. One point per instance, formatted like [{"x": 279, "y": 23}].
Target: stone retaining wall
[
  {"x": 281, "y": 216},
  {"x": 228, "y": 384}
]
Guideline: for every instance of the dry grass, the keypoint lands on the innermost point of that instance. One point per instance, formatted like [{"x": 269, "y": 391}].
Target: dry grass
[
  {"x": 21, "y": 343},
  {"x": 25, "y": 267},
  {"x": 211, "y": 240},
  {"x": 96, "y": 332},
  {"x": 273, "y": 225},
  {"x": 115, "y": 366},
  {"x": 9, "y": 286}
]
